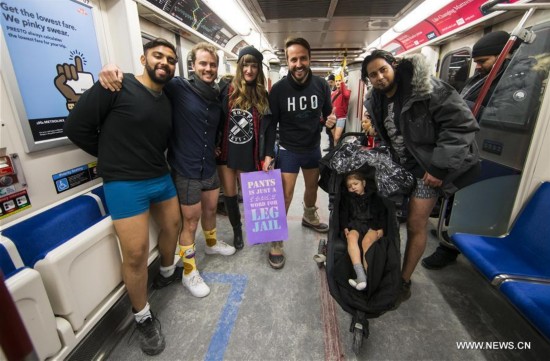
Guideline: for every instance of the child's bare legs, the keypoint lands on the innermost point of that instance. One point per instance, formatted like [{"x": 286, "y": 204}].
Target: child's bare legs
[
  {"x": 371, "y": 237},
  {"x": 354, "y": 252}
]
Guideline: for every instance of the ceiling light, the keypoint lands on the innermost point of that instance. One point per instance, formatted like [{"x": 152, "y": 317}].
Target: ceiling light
[{"x": 232, "y": 14}]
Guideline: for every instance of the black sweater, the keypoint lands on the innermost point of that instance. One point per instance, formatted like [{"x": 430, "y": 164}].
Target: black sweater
[
  {"x": 127, "y": 131},
  {"x": 300, "y": 109}
]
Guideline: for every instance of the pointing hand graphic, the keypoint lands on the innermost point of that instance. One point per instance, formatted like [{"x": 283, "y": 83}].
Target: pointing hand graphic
[{"x": 72, "y": 81}]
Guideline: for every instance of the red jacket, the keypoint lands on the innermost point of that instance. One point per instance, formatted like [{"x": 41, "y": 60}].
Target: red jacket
[{"x": 340, "y": 100}]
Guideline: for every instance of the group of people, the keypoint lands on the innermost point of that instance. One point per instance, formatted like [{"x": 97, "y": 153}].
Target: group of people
[
  {"x": 128, "y": 122},
  {"x": 214, "y": 133}
]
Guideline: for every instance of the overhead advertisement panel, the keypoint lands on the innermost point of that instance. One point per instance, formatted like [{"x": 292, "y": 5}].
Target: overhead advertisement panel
[
  {"x": 198, "y": 16},
  {"x": 455, "y": 15}
]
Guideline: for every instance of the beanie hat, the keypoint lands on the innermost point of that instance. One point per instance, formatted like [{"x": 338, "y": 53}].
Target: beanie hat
[
  {"x": 490, "y": 44},
  {"x": 338, "y": 77},
  {"x": 250, "y": 50},
  {"x": 330, "y": 77}
]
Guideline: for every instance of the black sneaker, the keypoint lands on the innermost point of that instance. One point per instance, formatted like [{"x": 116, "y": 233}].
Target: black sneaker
[
  {"x": 151, "y": 339},
  {"x": 160, "y": 281},
  {"x": 404, "y": 293},
  {"x": 442, "y": 257}
]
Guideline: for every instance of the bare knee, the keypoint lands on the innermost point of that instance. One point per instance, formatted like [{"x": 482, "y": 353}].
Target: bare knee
[
  {"x": 171, "y": 226},
  {"x": 190, "y": 225},
  {"x": 136, "y": 259}
]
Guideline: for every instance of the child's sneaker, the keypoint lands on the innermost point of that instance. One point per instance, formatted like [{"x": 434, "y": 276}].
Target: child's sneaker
[
  {"x": 195, "y": 284},
  {"x": 151, "y": 339},
  {"x": 220, "y": 248},
  {"x": 359, "y": 286}
]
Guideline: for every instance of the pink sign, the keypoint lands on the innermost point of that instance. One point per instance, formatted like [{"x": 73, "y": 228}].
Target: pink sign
[
  {"x": 264, "y": 207},
  {"x": 455, "y": 15}
]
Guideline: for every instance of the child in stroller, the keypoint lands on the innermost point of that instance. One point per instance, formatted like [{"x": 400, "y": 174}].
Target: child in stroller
[
  {"x": 365, "y": 225},
  {"x": 386, "y": 183}
]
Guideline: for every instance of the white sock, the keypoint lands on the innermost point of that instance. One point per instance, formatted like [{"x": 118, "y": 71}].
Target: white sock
[
  {"x": 143, "y": 314},
  {"x": 167, "y": 271}
]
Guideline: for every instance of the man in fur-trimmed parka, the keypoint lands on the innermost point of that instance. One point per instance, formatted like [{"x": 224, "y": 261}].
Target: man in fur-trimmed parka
[{"x": 430, "y": 131}]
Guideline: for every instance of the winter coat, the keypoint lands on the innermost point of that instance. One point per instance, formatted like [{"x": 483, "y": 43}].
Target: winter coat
[{"x": 437, "y": 126}]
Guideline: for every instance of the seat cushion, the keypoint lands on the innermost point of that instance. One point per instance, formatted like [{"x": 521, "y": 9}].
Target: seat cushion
[
  {"x": 494, "y": 256},
  {"x": 532, "y": 300}
]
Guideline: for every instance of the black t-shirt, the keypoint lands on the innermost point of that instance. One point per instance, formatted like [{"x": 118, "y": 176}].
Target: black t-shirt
[{"x": 240, "y": 143}]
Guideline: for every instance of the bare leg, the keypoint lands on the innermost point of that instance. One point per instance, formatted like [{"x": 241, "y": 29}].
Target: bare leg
[
  {"x": 167, "y": 215},
  {"x": 209, "y": 201},
  {"x": 337, "y": 134},
  {"x": 311, "y": 179},
  {"x": 133, "y": 234},
  {"x": 354, "y": 252},
  {"x": 371, "y": 237},
  {"x": 417, "y": 221},
  {"x": 289, "y": 182},
  {"x": 191, "y": 215},
  {"x": 228, "y": 178}
]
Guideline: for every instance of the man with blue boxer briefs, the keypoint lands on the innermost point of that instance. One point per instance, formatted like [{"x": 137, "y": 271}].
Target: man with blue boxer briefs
[
  {"x": 196, "y": 119},
  {"x": 128, "y": 132}
]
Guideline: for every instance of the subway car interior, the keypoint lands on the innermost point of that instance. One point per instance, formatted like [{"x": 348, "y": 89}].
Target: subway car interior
[{"x": 62, "y": 292}]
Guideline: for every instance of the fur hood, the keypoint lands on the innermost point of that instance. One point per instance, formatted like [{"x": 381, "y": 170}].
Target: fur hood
[{"x": 415, "y": 70}]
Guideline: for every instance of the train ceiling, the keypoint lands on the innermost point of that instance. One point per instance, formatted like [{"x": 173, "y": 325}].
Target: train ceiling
[{"x": 332, "y": 27}]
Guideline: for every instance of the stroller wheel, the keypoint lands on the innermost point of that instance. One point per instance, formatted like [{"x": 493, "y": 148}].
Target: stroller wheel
[
  {"x": 357, "y": 337},
  {"x": 321, "y": 255},
  {"x": 322, "y": 248}
]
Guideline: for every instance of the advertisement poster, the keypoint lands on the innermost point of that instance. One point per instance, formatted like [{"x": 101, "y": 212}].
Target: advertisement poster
[
  {"x": 198, "y": 16},
  {"x": 54, "y": 53},
  {"x": 455, "y": 15},
  {"x": 264, "y": 207}
]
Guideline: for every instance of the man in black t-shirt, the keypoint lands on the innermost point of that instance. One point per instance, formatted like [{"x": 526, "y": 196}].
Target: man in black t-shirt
[
  {"x": 135, "y": 124},
  {"x": 299, "y": 103}
]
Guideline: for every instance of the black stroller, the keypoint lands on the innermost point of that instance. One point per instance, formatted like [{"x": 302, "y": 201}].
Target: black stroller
[{"x": 383, "y": 257}]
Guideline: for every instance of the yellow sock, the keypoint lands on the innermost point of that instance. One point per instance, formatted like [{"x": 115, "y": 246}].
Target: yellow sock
[
  {"x": 210, "y": 237},
  {"x": 187, "y": 254}
]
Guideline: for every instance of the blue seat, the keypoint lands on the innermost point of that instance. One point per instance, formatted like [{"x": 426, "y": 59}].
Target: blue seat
[
  {"x": 6, "y": 264},
  {"x": 525, "y": 252},
  {"x": 532, "y": 300},
  {"x": 36, "y": 236}
]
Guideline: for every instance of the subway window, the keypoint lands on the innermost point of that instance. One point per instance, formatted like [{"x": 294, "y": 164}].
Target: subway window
[{"x": 455, "y": 67}]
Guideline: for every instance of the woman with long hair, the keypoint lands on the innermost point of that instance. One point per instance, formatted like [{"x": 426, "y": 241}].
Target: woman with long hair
[{"x": 245, "y": 146}]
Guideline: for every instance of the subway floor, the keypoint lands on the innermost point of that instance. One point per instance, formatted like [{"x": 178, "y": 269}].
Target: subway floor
[{"x": 257, "y": 313}]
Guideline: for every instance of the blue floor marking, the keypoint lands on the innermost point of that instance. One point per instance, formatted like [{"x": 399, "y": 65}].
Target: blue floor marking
[{"x": 229, "y": 313}]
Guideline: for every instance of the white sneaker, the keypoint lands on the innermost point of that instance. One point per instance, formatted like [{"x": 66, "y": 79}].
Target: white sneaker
[
  {"x": 195, "y": 284},
  {"x": 220, "y": 248}
]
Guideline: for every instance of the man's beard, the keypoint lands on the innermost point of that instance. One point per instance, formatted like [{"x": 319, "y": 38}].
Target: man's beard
[
  {"x": 387, "y": 89},
  {"x": 156, "y": 79}
]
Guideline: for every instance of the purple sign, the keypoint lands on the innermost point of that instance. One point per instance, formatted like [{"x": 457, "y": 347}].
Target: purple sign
[{"x": 264, "y": 207}]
